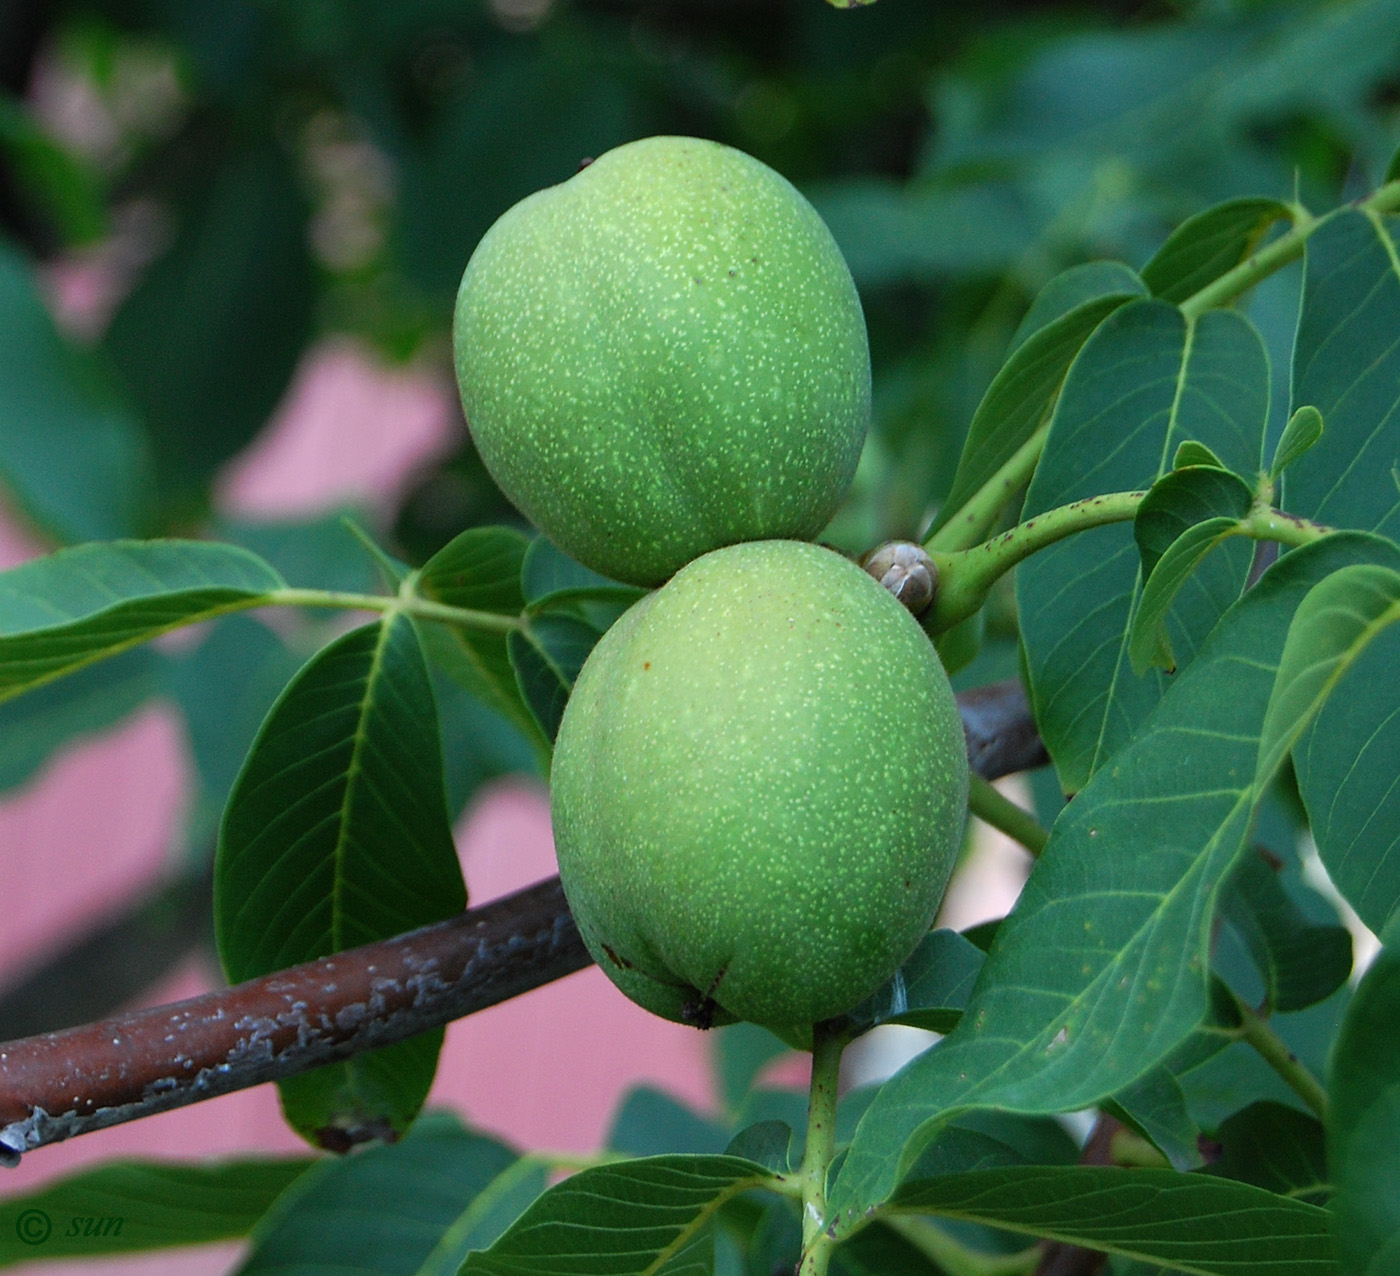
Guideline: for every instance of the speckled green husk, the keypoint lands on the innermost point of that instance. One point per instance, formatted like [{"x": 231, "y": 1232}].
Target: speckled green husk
[
  {"x": 759, "y": 789},
  {"x": 663, "y": 355}
]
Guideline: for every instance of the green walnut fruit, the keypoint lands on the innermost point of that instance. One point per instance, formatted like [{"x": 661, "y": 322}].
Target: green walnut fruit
[
  {"x": 759, "y": 789},
  {"x": 663, "y": 355}
]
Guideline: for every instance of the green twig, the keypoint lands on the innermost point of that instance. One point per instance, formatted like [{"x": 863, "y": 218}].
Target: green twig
[
  {"x": 1255, "y": 1029},
  {"x": 1267, "y": 524},
  {"x": 955, "y": 1258},
  {"x": 988, "y": 804},
  {"x": 966, "y": 576},
  {"x": 828, "y": 1041}
]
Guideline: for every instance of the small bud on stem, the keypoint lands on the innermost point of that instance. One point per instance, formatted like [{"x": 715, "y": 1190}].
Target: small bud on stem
[{"x": 906, "y": 570}]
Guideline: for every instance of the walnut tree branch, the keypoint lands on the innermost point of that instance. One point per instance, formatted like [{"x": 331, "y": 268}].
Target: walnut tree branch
[{"x": 60, "y": 1084}]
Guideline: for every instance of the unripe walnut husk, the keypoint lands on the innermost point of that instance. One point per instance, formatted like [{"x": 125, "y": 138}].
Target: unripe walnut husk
[
  {"x": 662, "y": 355},
  {"x": 759, "y": 790}
]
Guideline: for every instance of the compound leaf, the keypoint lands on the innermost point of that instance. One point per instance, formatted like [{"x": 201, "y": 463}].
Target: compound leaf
[
  {"x": 1300, "y": 963},
  {"x": 1300, "y": 435},
  {"x": 1275, "y": 1147},
  {"x": 547, "y": 657},
  {"x": 1155, "y": 1107},
  {"x": 1181, "y": 499},
  {"x": 211, "y": 334},
  {"x": 1149, "y": 643},
  {"x": 36, "y": 725},
  {"x": 930, "y": 990}
]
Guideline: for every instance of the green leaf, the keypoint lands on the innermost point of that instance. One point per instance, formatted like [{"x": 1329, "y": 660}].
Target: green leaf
[
  {"x": 1392, "y": 170},
  {"x": 209, "y": 337},
  {"x": 1100, "y": 972},
  {"x": 1346, "y": 364},
  {"x": 1088, "y": 281},
  {"x": 1345, "y": 635},
  {"x": 82, "y": 604},
  {"x": 480, "y": 570},
  {"x": 766, "y": 1143},
  {"x": 65, "y": 189},
  {"x": 1181, "y": 499},
  {"x": 1020, "y": 398},
  {"x": 73, "y": 453},
  {"x": 547, "y": 657},
  {"x": 478, "y": 744},
  {"x": 1302, "y": 432},
  {"x": 1299, "y": 962},
  {"x": 990, "y": 1140},
  {"x": 1149, "y": 642},
  {"x": 314, "y": 553},
  {"x": 1363, "y": 1124},
  {"x": 1191, "y": 452},
  {"x": 126, "y": 1206},
  {"x": 1205, "y": 246},
  {"x": 651, "y": 1122},
  {"x": 1186, "y": 514},
  {"x": 491, "y": 1211},
  {"x": 1155, "y": 1107},
  {"x": 741, "y": 1052},
  {"x": 224, "y": 688},
  {"x": 1143, "y": 383},
  {"x": 336, "y": 834},
  {"x": 1194, "y": 1223},
  {"x": 628, "y": 1219},
  {"x": 893, "y": 232},
  {"x": 1277, "y": 1148},
  {"x": 34, "y": 726},
  {"x": 931, "y": 988},
  {"x": 551, "y": 579},
  {"x": 389, "y": 1210}
]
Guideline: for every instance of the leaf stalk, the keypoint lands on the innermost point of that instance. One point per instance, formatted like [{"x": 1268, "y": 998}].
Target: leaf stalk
[
  {"x": 990, "y": 806},
  {"x": 409, "y": 604},
  {"x": 1256, "y": 1030}
]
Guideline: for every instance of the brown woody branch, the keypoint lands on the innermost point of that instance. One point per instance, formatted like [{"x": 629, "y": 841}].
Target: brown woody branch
[{"x": 60, "y": 1084}]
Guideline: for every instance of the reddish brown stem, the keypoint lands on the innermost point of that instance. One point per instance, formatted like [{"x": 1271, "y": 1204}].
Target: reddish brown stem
[{"x": 60, "y": 1084}]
